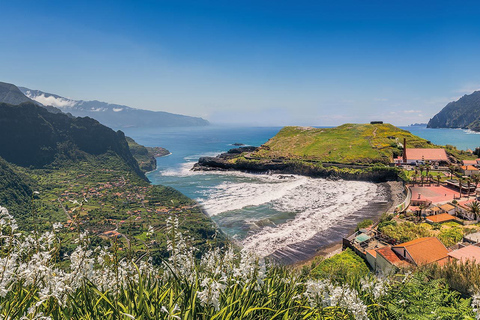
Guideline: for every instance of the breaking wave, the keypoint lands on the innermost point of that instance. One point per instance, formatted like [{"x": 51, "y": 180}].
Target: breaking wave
[{"x": 315, "y": 204}]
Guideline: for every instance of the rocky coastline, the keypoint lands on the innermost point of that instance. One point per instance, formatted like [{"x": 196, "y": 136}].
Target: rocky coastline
[{"x": 239, "y": 159}]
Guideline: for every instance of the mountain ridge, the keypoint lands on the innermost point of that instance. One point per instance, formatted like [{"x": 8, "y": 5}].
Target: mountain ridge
[
  {"x": 32, "y": 136},
  {"x": 113, "y": 115},
  {"x": 463, "y": 113}
]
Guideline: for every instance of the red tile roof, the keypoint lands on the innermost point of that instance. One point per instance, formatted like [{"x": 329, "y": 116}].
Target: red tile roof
[
  {"x": 426, "y": 154},
  {"x": 469, "y": 168},
  {"x": 425, "y": 250},
  {"x": 391, "y": 256},
  {"x": 439, "y": 218},
  {"x": 469, "y": 162}
]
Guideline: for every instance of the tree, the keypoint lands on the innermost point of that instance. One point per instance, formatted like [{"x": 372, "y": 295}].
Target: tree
[
  {"x": 460, "y": 181},
  {"x": 438, "y": 180},
  {"x": 414, "y": 177},
  {"x": 427, "y": 168},
  {"x": 451, "y": 168},
  {"x": 469, "y": 181},
  {"x": 430, "y": 179},
  {"x": 475, "y": 209}
]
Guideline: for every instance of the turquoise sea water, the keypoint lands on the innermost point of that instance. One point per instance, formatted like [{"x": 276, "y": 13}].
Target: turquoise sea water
[
  {"x": 263, "y": 212},
  {"x": 462, "y": 139}
]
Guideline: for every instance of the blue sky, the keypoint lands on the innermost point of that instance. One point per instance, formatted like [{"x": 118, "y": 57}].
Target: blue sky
[{"x": 255, "y": 62}]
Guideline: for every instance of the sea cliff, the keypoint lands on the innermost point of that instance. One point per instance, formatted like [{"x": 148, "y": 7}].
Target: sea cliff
[{"x": 240, "y": 159}]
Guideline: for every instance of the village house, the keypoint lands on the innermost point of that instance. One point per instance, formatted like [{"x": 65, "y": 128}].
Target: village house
[
  {"x": 469, "y": 170},
  {"x": 415, "y": 253},
  {"x": 440, "y": 218},
  {"x": 472, "y": 237},
  {"x": 447, "y": 208},
  {"x": 422, "y": 251},
  {"x": 471, "y": 253},
  {"x": 420, "y": 156},
  {"x": 469, "y": 162}
]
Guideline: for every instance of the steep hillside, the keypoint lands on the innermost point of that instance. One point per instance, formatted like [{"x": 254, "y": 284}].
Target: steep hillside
[
  {"x": 88, "y": 180},
  {"x": 348, "y": 144},
  {"x": 145, "y": 156},
  {"x": 464, "y": 113},
  {"x": 15, "y": 189},
  {"x": 113, "y": 115},
  {"x": 32, "y": 136}
]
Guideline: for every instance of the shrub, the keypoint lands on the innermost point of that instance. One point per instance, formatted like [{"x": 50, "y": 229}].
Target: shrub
[
  {"x": 406, "y": 231},
  {"x": 451, "y": 236},
  {"x": 364, "y": 224},
  {"x": 341, "y": 267}
]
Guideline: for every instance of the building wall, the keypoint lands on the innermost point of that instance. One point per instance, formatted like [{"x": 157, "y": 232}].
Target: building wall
[
  {"x": 372, "y": 261},
  {"x": 384, "y": 266}
]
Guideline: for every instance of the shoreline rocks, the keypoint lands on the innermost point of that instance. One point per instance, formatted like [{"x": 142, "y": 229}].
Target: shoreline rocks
[{"x": 240, "y": 159}]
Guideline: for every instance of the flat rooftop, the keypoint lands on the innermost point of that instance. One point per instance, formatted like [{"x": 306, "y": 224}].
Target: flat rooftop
[
  {"x": 466, "y": 253},
  {"x": 436, "y": 194}
]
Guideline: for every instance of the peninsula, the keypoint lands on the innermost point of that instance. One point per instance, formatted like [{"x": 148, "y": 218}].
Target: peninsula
[{"x": 350, "y": 151}]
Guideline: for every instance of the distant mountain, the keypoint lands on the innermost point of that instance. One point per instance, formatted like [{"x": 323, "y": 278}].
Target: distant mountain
[
  {"x": 464, "y": 113},
  {"x": 113, "y": 115},
  {"x": 9, "y": 93},
  {"x": 30, "y": 136}
]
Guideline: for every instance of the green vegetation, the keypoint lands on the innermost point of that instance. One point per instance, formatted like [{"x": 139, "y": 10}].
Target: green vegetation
[
  {"x": 461, "y": 276},
  {"x": 348, "y": 144},
  {"x": 451, "y": 236},
  {"x": 449, "y": 233},
  {"x": 464, "y": 113},
  {"x": 97, "y": 284},
  {"x": 145, "y": 156},
  {"x": 342, "y": 267},
  {"x": 15, "y": 189},
  {"x": 85, "y": 178},
  {"x": 406, "y": 231},
  {"x": 364, "y": 224}
]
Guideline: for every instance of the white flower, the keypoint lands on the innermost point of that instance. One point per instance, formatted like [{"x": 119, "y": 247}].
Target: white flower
[{"x": 57, "y": 226}]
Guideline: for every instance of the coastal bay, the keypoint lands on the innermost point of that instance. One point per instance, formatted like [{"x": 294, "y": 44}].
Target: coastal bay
[{"x": 250, "y": 208}]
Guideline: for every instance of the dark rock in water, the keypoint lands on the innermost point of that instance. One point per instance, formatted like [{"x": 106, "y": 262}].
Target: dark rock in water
[
  {"x": 238, "y": 144},
  {"x": 242, "y": 150},
  {"x": 281, "y": 177}
]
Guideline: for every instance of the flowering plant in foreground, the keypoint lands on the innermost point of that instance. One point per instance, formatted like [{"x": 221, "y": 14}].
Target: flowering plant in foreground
[{"x": 223, "y": 284}]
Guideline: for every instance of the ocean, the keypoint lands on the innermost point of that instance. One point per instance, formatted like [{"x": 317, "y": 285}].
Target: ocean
[{"x": 288, "y": 219}]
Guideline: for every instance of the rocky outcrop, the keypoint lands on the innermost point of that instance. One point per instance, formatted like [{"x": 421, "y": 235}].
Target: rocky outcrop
[{"x": 235, "y": 161}]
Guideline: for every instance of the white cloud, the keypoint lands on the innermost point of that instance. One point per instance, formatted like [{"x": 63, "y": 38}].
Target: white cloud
[
  {"x": 117, "y": 109},
  {"x": 412, "y": 111},
  {"x": 52, "y": 101}
]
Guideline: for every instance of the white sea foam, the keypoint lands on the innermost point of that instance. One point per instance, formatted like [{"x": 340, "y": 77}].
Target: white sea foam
[
  {"x": 185, "y": 168},
  {"x": 317, "y": 204},
  {"x": 468, "y": 131},
  {"x": 254, "y": 191}
]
